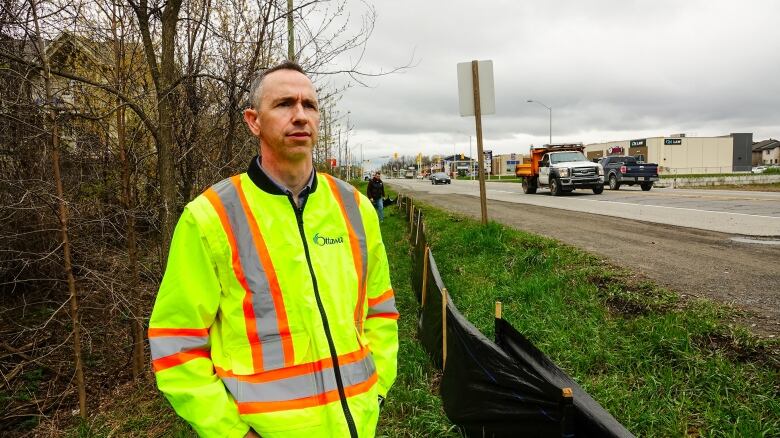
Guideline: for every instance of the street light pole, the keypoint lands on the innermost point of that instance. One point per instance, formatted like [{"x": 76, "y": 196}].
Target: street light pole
[{"x": 549, "y": 109}]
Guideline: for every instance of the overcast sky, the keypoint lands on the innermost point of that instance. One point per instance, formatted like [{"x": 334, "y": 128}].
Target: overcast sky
[{"x": 610, "y": 70}]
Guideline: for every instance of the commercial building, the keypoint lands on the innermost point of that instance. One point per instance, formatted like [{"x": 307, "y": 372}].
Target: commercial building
[
  {"x": 504, "y": 164},
  {"x": 680, "y": 154}
]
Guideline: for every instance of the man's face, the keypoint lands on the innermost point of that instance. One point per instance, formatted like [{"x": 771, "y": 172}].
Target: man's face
[{"x": 288, "y": 117}]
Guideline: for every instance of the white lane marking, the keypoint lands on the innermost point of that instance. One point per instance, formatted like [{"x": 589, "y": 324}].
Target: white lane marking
[
  {"x": 679, "y": 208},
  {"x": 759, "y": 241}
]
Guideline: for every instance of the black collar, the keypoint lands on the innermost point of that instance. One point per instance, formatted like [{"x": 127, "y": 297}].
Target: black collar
[{"x": 264, "y": 183}]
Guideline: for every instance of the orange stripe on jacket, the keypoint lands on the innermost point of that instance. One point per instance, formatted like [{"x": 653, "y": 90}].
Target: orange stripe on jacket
[
  {"x": 249, "y": 313},
  {"x": 354, "y": 245},
  {"x": 296, "y": 370},
  {"x": 306, "y": 402},
  {"x": 386, "y": 295},
  {"x": 157, "y": 332},
  {"x": 173, "y": 360},
  {"x": 383, "y": 315},
  {"x": 270, "y": 273}
]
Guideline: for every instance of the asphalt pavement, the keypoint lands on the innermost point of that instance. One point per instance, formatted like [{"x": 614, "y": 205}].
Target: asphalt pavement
[{"x": 742, "y": 213}]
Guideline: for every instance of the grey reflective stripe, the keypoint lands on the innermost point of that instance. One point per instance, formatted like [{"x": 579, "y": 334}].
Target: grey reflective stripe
[
  {"x": 164, "y": 346},
  {"x": 386, "y": 306},
  {"x": 262, "y": 301},
  {"x": 297, "y": 387},
  {"x": 347, "y": 193}
]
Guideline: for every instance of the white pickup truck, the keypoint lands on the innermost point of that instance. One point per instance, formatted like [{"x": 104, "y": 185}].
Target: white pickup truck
[
  {"x": 565, "y": 171},
  {"x": 562, "y": 168}
]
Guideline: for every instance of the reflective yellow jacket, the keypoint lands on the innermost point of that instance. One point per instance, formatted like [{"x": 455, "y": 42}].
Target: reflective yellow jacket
[{"x": 275, "y": 317}]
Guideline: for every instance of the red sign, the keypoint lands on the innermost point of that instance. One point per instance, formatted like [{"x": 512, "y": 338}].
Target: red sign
[
  {"x": 332, "y": 162},
  {"x": 615, "y": 150}
]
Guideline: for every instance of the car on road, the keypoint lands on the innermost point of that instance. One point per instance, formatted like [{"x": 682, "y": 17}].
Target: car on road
[
  {"x": 440, "y": 178},
  {"x": 627, "y": 170},
  {"x": 758, "y": 169}
]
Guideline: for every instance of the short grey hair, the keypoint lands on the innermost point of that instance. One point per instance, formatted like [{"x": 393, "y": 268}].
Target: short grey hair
[{"x": 256, "y": 89}]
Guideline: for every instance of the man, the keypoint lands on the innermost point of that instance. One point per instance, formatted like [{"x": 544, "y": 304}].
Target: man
[
  {"x": 275, "y": 316},
  {"x": 376, "y": 194}
]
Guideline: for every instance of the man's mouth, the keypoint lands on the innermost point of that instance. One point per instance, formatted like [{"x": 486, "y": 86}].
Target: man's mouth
[{"x": 299, "y": 135}]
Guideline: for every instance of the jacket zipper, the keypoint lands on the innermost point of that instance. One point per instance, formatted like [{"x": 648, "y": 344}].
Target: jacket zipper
[{"x": 336, "y": 370}]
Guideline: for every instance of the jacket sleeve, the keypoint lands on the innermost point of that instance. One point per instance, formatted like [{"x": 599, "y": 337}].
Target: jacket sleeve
[
  {"x": 381, "y": 326},
  {"x": 183, "y": 313}
]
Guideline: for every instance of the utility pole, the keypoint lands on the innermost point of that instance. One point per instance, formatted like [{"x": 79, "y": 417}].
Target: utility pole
[{"x": 290, "y": 32}]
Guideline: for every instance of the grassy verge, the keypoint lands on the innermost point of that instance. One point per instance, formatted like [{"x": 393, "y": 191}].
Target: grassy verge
[{"x": 661, "y": 366}]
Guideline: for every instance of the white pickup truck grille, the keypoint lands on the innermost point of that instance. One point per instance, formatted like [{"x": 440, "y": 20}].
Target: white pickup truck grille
[{"x": 584, "y": 171}]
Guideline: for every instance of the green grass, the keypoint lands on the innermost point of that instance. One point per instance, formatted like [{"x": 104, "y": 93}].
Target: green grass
[{"x": 661, "y": 366}]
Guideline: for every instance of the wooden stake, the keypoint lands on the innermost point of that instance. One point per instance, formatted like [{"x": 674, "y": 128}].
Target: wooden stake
[
  {"x": 419, "y": 226},
  {"x": 443, "y": 328},
  {"x": 498, "y": 309},
  {"x": 425, "y": 276},
  {"x": 480, "y": 155}
]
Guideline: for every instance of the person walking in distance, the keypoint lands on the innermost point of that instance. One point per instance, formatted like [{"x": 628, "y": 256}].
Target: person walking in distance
[
  {"x": 276, "y": 316},
  {"x": 376, "y": 194}
]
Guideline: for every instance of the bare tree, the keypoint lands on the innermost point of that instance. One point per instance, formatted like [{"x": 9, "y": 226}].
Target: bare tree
[
  {"x": 63, "y": 210},
  {"x": 140, "y": 110}
]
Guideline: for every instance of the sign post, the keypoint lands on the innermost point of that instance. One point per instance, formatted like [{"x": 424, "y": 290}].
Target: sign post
[{"x": 483, "y": 97}]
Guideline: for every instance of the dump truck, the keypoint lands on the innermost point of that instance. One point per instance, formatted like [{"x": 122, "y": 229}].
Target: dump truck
[{"x": 562, "y": 168}]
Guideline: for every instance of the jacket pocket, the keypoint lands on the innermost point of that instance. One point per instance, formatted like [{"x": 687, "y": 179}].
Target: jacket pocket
[{"x": 279, "y": 398}]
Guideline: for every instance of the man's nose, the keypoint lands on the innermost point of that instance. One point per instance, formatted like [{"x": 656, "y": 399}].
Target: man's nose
[{"x": 299, "y": 113}]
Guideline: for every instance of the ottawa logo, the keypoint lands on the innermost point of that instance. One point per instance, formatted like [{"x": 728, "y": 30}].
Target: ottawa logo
[{"x": 322, "y": 241}]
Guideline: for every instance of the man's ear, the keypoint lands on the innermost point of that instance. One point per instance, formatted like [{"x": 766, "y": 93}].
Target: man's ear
[{"x": 252, "y": 119}]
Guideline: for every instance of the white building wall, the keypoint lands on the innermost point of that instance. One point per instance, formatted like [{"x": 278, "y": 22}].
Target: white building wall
[
  {"x": 770, "y": 156},
  {"x": 693, "y": 156}
]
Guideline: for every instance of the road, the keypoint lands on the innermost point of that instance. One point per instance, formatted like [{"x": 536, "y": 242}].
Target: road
[
  {"x": 734, "y": 212},
  {"x": 699, "y": 243}
]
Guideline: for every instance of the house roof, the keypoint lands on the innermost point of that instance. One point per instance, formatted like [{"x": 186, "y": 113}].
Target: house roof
[{"x": 766, "y": 145}]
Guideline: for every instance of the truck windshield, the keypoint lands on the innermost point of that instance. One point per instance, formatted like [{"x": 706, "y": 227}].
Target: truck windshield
[{"x": 565, "y": 157}]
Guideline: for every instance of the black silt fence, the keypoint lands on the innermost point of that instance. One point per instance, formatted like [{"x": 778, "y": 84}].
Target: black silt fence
[{"x": 506, "y": 388}]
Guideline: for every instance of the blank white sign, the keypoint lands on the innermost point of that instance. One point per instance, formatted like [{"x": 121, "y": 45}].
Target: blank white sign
[{"x": 487, "y": 93}]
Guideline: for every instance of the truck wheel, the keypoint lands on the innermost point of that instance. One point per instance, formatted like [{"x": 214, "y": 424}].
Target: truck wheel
[
  {"x": 599, "y": 189},
  {"x": 647, "y": 186},
  {"x": 613, "y": 182},
  {"x": 555, "y": 187},
  {"x": 529, "y": 187}
]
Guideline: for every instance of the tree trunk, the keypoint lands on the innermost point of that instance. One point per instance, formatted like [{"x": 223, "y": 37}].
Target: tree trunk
[
  {"x": 164, "y": 76},
  {"x": 136, "y": 327},
  {"x": 51, "y": 116},
  {"x": 165, "y": 159}
]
